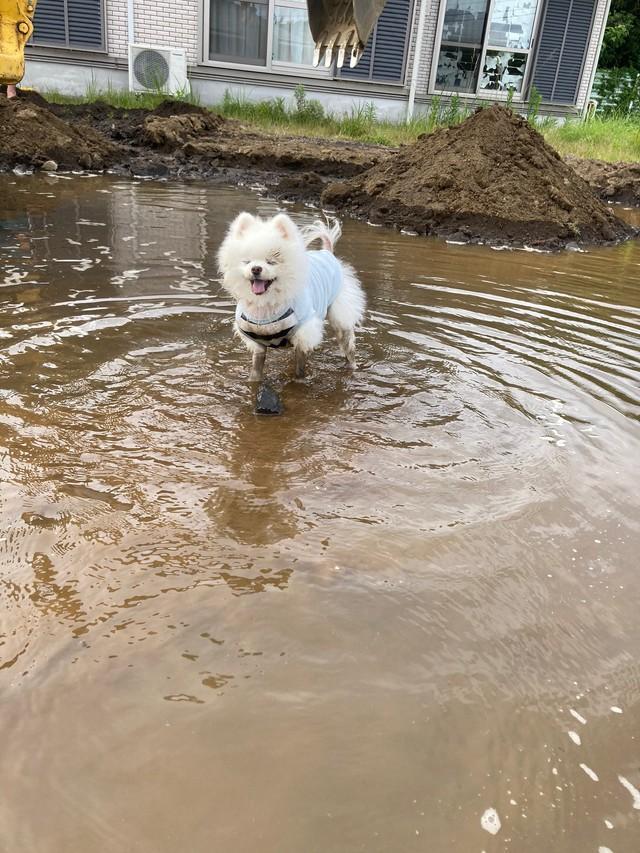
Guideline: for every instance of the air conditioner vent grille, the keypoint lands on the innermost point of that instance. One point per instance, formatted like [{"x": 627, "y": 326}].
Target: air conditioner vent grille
[{"x": 151, "y": 69}]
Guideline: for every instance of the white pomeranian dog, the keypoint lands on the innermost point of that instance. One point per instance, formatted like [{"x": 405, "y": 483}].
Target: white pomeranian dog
[{"x": 284, "y": 291}]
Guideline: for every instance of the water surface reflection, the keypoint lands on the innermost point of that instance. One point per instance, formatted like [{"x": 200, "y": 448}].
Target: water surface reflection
[{"x": 355, "y": 627}]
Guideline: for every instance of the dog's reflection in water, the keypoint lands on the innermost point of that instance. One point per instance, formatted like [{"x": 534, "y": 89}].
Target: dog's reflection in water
[{"x": 266, "y": 458}]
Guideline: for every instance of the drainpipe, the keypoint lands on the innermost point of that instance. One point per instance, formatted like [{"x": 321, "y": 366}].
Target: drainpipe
[
  {"x": 592, "y": 76},
  {"x": 131, "y": 24},
  {"x": 416, "y": 59}
]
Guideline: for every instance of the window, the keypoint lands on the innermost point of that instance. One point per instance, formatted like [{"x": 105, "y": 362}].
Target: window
[
  {"x": 292, "y": 40},
  {"x": 484, "y": 46},
  {"x": 69, "y": 23},
  {"x": 239, "y": 31},
  {"x": 267, "y": 33}
]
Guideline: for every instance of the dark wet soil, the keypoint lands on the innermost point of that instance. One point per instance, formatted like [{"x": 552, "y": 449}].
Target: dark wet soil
[
  {"x": 619, "y": 182},
  {"x": 491, "y": 179}
]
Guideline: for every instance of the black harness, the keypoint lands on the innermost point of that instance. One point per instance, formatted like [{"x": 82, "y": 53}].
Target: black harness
[{"x": 276, "y": 337}]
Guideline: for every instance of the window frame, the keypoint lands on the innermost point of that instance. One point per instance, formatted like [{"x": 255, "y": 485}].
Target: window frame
[
  {"x": 270, "y": 66},
  {"x": 486, "y": 94}
]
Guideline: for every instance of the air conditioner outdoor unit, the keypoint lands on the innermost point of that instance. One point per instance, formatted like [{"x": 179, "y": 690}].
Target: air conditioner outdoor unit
[{"x": 158, "y": 69}]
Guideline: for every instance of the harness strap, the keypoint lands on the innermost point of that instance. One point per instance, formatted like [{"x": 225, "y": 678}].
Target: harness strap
[
  {"x": 276, "y": 331},
  {"x": 283, "y": 333},
  {"x": 284, "y": 316}
]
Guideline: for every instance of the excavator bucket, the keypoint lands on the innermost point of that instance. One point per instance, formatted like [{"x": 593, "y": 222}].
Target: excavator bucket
[
  {"x": 15, "y": 31},
  {"x": 341, "y": 27}
]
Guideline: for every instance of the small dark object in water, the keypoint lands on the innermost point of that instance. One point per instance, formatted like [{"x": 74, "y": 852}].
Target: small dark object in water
[{"x": 268, "y": 402}]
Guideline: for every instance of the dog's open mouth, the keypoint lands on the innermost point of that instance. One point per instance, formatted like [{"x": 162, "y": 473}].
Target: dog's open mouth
[{"x": 261, "y": 285}]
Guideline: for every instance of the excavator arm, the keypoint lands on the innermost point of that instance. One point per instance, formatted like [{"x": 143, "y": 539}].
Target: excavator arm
[
  {"x": 16, "y": 26},
  {"x": 340, "y": 27}
]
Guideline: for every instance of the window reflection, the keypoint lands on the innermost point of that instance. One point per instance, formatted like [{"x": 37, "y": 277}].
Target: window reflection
[
  {"x": 503, "y": 71},
  {"x": 458, "y": 69}
]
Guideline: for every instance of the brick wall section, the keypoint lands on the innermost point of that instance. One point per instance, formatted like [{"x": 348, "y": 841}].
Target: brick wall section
[
  {"x": 428, "y": 44},
  {"x": 117, "y": 27},
  {"x": 591, "y": 59},
  {"x": 161, "y": 23}
]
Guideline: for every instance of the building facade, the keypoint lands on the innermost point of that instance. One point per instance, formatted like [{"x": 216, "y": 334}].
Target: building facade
[{"x": 476, "y": 49}]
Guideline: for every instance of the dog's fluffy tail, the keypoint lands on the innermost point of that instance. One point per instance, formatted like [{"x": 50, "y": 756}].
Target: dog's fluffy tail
[{"x": 327, "y": 232}]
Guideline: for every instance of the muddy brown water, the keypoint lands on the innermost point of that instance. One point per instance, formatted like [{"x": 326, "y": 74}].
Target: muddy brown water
[{"x": 358, "y": 627}]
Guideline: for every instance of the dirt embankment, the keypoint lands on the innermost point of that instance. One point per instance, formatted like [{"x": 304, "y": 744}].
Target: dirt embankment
[
  {"x": 175, "y": 140},
  {"x": 30, "y": 135},
  {"x": 619, "y": 182},
  {"x": 492, "y": 178}
]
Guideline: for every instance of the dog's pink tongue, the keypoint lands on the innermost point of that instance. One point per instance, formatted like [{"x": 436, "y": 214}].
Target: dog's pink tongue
[{"x": 258, "y": 285}]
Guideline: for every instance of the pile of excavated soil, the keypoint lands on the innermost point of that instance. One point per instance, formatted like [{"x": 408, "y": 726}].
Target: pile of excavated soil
[
  {"x": 130, "y": 125},
  {"x": 619, "y": 182},
  {"x": 182, "y": 140},
  {"x": 31, "y": 135},
  {"x": 492, "y": 179},
  {"x": 172, "y": 132}
]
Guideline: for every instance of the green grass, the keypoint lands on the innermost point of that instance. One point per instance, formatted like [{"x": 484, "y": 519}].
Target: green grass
[
  {"x": 117, "y": 97},
  {"x": 307, "y": 117},
  {"x": 613, "y": 138}
]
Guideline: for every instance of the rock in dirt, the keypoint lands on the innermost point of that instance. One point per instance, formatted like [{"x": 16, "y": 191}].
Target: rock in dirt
[
  {"x": 49, "y": 166},
  {"x": 492, "y": 179},
  {"x": 268, "y": 401},
  {"x": 31, "y": 135}
]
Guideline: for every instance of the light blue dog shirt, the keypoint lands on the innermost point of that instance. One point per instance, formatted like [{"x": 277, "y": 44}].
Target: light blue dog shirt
[{"x": 314, "y": 300}]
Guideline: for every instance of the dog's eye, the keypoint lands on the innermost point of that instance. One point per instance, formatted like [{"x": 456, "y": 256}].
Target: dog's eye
[{"x": 272, "y": 261}]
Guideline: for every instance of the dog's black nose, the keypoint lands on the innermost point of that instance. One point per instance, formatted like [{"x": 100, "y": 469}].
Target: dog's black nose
[{"x": 256, "y": 271}]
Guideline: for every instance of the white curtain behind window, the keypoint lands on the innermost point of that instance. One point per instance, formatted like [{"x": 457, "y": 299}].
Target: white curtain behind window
[
  {"x": 292, "y": 40},
  {"x": 239, "y": 30}
]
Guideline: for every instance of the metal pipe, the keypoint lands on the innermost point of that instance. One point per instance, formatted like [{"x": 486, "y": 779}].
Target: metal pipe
[
  {"x": 131, "y": 23},
  {"x": 592, "y": 76},
  {"x": 416, "y": 59}
]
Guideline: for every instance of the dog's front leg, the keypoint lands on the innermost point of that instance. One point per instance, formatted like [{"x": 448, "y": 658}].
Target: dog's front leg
[{"x": 258, "y": 356}]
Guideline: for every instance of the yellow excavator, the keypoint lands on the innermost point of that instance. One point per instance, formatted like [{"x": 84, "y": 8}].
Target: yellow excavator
[
  {"x": 16, "y": 26},
  {"x": 339, "y": 27}
]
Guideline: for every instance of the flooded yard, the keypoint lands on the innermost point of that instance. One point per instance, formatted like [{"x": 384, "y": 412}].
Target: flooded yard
[{"x": 401, "y": 617}]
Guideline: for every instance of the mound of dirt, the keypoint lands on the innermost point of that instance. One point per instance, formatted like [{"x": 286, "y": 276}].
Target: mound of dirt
[
  {"x": 171, "y": 107},
  {"x": 618, "y": 182},
  {"x": 30, "y": 135},
  {"x": 173, "y": 131},
  {"x": 492, "y": 179}
]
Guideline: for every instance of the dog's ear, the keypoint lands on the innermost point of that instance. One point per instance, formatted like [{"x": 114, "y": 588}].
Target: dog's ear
[
  {"x": 241, "y": 223},
  {"x": 285, "y": 226}
]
